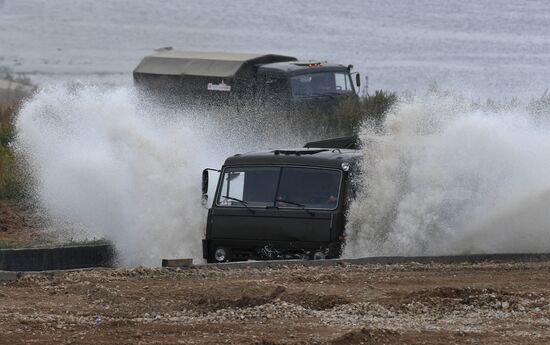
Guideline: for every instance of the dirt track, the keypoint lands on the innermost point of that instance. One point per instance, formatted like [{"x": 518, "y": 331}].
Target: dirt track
[{"x": 373, "y": 304}]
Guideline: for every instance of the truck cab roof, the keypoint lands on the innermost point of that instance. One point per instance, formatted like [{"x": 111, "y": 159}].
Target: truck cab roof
[
  {"x": 301, "y": 67},
  {"x": 314, "y": 157}
]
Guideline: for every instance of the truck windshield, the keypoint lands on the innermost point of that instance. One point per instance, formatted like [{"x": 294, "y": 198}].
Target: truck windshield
[
  {"x": 256, "y": 186},
  {"x": 311, "y": 188},
  {"x": 318, "y": 84}
]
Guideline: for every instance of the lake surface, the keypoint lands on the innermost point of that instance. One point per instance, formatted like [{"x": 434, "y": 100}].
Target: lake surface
[{"x": 477, "y": 48}]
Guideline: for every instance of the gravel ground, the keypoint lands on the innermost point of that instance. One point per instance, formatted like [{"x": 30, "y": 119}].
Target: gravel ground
[{"x": 489, "y": 303}]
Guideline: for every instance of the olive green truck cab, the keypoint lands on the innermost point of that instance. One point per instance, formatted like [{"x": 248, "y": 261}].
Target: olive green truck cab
[{"x": 280, "y": 204}]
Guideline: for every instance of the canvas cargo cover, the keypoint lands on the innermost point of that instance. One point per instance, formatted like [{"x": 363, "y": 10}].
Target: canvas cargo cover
[{"x": 209, "y": 64}]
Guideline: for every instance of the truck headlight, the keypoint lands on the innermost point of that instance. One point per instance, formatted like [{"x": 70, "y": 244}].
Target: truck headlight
[
  {"x": 220, "y": 255},
  {"x": 345, "y": 166}
]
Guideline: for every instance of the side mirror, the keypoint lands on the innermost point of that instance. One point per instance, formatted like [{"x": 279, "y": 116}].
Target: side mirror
[
  {"x": 358, "y": 80},
  {"x": 204, "y": 199},
  {"x": 204, "y": 188}
]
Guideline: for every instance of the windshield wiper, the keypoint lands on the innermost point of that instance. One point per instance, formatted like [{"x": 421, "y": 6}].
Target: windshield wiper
[
  {"x": 303, "y": 207},
  {"x": 290, "y": 202},
  {"x": 242, "y": 202}
]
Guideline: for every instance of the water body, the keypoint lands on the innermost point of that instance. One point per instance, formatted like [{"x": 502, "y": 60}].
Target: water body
[{"x": 477, "y": 48}]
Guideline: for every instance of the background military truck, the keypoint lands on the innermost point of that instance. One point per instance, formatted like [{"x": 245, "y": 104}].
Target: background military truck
[
  {"x": 280, "y": 204},
  {"x": 242, "y": 79}
]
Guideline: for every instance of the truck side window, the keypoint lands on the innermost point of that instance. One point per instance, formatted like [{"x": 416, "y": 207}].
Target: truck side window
[
  {"x": 253, "y": 186},
  {"x": 343, "y": 82}
]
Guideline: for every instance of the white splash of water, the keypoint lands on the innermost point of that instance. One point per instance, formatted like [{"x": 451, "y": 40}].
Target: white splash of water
[
  {"x": 110, "y": 165},
  {"x": 448, "y": 177},
  {"x": 106, "y": 167},
  {"x": 452, "y": 178}
]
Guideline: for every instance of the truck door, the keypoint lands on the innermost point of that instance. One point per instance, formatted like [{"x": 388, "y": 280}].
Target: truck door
[
  {"x": 245, "y": 204},
  {"x": 307, "y": 199},
  {"x": 274, "y": 92}
]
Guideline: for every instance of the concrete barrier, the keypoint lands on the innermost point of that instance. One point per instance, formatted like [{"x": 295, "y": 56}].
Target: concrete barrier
[
  {"x": 7, "y": 276},
  {"x": 57, "y": 258}
]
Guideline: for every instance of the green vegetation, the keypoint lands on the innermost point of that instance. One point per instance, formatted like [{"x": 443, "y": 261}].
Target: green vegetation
[
  {"x": 371, "y": 109},
  {"x": 539, "y": 108},
  {"x": 10, "y": 244},
  {"x": 16, "y": 87},
  {"x": 346, "y": 119},
  {"x": 16, "y": 244},
  {"x": 11, "y": 180}
]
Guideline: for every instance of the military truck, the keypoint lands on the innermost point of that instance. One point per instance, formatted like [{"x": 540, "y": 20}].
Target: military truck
[
  {"x": 280, "y": 204},
  {"x": 243, "y": 79}
]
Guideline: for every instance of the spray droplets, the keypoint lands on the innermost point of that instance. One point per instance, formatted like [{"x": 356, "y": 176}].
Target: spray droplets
[
  {"x": 108, "y": 164},
  {"x": 451, "y": 178},
  {"x": 448, "y": 178},
  {"x": 106, "y": 168}
]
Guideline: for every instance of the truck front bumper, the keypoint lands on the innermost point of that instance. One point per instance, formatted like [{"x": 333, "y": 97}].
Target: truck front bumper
[{"x": 205, "y": 249}]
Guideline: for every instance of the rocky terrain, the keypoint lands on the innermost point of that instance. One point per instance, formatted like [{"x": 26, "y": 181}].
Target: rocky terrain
[{"x": 488, "y": 303}]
